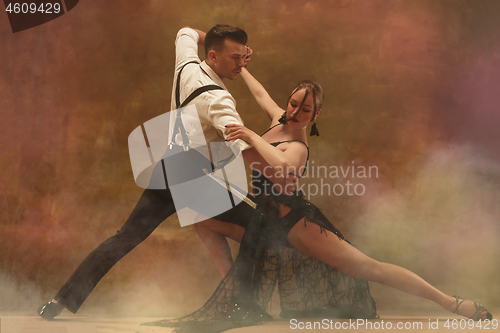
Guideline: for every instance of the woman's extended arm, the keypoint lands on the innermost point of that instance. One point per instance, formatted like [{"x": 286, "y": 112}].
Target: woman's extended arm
[{"x": 261, "y": 96}]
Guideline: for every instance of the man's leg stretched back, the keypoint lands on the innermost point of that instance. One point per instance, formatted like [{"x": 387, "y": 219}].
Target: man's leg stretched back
[{"x": 153, "y": 208}]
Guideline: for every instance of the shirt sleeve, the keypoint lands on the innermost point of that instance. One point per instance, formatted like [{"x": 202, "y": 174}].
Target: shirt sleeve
[
  {"x": 222, "y": 111},
  {"x": 186, "y": 47}
]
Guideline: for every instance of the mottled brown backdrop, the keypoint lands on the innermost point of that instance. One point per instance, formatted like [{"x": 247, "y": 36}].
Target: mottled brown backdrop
[{"x": 411, "y": 88}]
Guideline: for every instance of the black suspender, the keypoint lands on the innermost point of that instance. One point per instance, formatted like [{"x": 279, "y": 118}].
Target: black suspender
[
  {"x": 190, "y": 164},
  {"x": 178, "y": 121}
]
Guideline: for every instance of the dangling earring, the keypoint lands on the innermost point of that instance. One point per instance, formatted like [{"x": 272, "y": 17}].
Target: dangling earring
[
  {"x": 314, "y": 130},
  {"x": 282, "y": 120}
]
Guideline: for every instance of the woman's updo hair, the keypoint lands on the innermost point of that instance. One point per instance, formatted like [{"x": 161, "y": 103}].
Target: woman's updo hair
[{"x": 313, "y": 88}]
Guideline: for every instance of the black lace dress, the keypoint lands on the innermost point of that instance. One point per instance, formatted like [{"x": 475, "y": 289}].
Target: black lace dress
[{"x": 307, "y": 287}]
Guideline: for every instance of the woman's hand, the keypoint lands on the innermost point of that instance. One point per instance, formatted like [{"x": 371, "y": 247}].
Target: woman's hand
[
  {"x": 248, "y": 56},
  {"x": 235, "y": 131}
]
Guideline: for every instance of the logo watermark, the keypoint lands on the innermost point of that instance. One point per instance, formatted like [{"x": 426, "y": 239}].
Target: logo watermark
[
  {"x": 364, "y": 324},
  {"x": 328, "y": 180},
  {"x": 28, "y": 14},
  {"x": 204, "y": 179}
]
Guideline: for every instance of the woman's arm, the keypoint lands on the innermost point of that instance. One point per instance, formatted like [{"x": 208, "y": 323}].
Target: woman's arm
[
  {"x": 261, "y": 96},
  {"x": 283, "y": 162}
]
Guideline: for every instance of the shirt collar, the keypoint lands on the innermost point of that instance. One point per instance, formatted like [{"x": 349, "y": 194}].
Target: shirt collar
[{"x": 212, "y": 75}]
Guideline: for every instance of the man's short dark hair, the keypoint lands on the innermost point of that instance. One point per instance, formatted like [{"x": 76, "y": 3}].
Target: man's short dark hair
[{"x": 214, "y": 40}]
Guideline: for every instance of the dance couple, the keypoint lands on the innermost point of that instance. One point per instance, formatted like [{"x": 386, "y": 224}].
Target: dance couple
[{"x": 285, "y": 239}]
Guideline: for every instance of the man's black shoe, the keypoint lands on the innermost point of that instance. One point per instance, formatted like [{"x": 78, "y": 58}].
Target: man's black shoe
[{"x": 48, "y": 310}]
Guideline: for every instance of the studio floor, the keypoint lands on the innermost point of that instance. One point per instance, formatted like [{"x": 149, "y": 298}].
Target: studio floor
[{"x": 81, "y": 324}]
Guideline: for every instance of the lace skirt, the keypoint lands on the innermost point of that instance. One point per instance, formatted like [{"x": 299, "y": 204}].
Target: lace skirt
[{"x": 307, "y": 287}]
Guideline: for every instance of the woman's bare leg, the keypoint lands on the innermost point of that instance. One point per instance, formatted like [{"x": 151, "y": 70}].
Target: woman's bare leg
[
  {"x": 328, "y": 248},
  {"x": 213, "y": 234}
]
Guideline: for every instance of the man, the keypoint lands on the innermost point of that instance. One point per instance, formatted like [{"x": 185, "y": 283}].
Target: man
[{"x": 226, "y": 54}]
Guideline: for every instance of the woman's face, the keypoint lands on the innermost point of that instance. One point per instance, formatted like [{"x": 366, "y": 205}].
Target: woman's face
[{"x": 300, "y": 118}]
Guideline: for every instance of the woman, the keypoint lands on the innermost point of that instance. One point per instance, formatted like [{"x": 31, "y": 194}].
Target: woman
[{"x": 283, "y": 147}]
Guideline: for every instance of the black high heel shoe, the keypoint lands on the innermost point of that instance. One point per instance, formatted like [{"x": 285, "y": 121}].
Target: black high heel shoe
[{"x": 479, "y": 309}]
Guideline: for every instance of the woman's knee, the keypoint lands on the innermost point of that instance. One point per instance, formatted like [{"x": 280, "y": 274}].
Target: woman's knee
[
  {"x": 301, "y": 236},
  {"x": 202, "y": 228},
  {"x": 370, "y": 270},
  {"x": 206, "y": 227}
]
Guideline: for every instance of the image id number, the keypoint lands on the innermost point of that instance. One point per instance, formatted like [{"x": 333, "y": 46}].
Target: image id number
[{"x": 47, "y": 8}]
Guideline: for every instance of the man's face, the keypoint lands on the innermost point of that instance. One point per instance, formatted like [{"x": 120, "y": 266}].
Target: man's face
[{"x": 229, "y": 61}]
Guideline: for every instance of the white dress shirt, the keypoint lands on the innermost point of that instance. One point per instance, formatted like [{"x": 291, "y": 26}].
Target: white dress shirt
[{"x": 216, "y": 108}]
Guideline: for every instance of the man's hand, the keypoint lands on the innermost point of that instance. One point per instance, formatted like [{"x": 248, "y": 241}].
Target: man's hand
[
  {"x": 202, "y": 35},
  {"x": 247, "y": 57}
]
